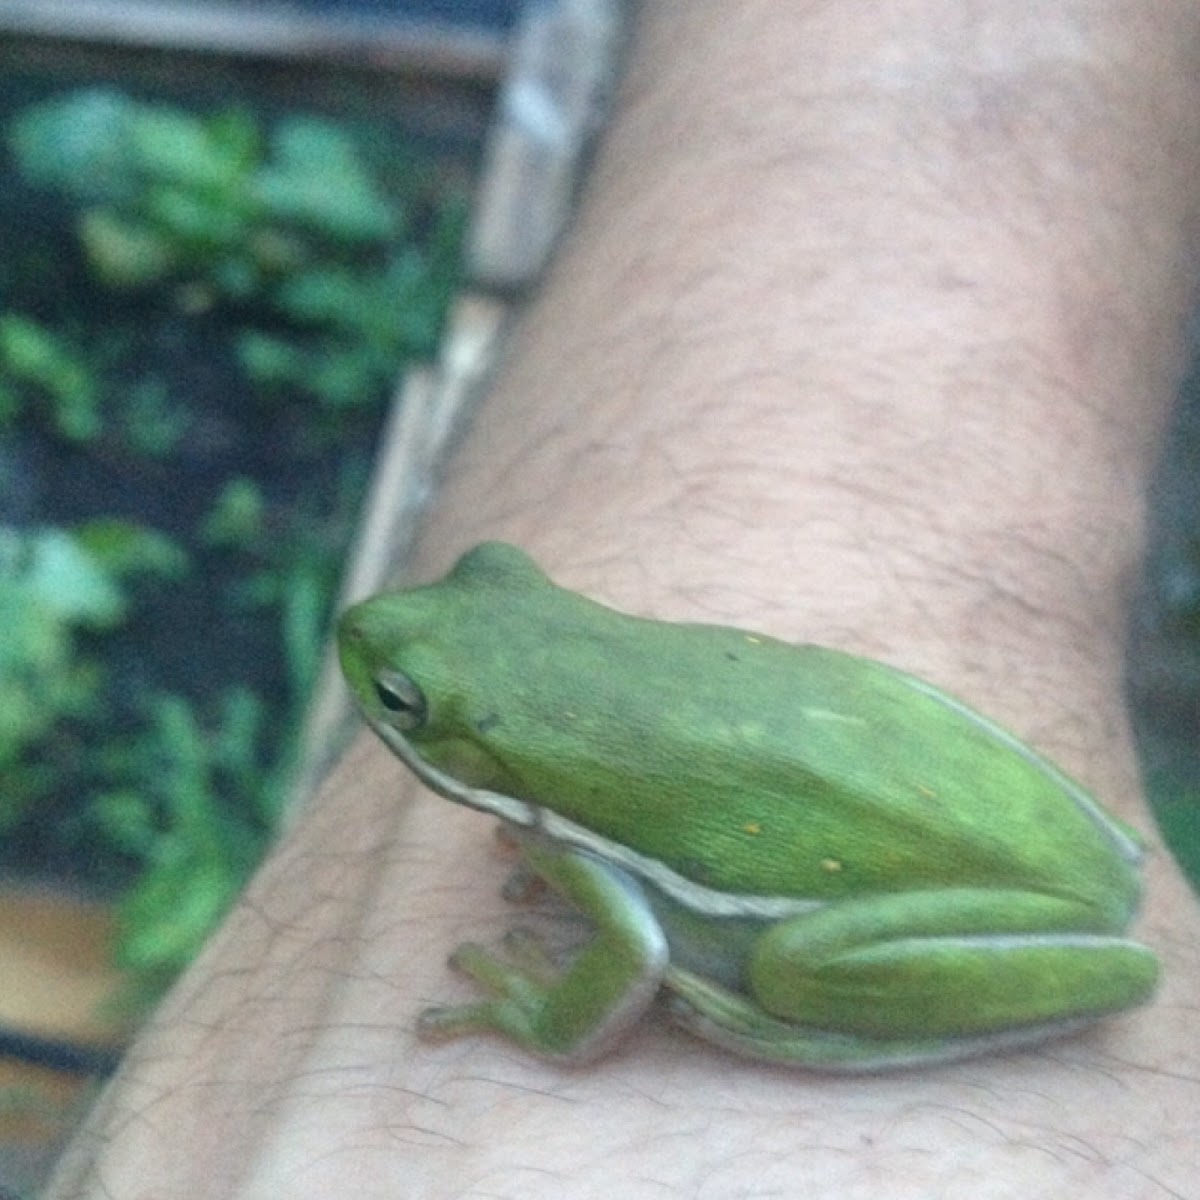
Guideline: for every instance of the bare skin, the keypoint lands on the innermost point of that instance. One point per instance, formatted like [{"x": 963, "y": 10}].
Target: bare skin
[{"x": 865, "y": 336}]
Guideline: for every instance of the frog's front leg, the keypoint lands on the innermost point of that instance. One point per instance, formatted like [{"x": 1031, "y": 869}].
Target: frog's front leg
[
  {"x": 917, "y": 977},
  {"x": 606, "y": 988}
]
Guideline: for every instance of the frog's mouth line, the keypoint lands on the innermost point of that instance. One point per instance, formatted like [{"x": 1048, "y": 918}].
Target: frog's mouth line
[{"x": 693, "y": 896}]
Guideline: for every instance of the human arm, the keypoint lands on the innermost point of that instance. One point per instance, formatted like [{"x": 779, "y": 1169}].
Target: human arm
[{"x": 864, "y": 336}]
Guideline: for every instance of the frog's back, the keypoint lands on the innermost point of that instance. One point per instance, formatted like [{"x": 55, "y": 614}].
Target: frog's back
[
  {"x": 838, "y": 769},
  {"x": 798, "y": 769}
]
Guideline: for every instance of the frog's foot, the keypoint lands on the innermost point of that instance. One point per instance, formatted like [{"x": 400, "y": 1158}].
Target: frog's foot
[
  {"x": 574, "y": 1013},
  {"x": 518, "y": 991}
]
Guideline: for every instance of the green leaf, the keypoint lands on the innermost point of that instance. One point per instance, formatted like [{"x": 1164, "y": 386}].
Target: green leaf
[
  {"x": 49, "y": 587},
  {"x": 123, "y": 251},
  {"x": 124, "y": 548},
  {"x": 163, "y": 920},
  {"x": 237, "y": 517},
  {"x": 317, "y": 180},
  {"x": 57, "y": 377},
  {"x": 56, "y": 576},
  {"x": 127, "y": 818},
  {"x": 79, "y": 144},
  {"x": 270, "y": 361}
]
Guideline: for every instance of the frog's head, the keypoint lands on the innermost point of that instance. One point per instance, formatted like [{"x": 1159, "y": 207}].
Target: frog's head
[{"x": 428, "y": 669}]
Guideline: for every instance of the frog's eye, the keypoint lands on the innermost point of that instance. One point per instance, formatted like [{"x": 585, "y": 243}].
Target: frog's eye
[{"x": 404, "y": 701}]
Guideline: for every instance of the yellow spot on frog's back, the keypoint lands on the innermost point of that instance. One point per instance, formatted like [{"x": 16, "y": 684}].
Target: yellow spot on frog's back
[
  {"x": 831, "y": 865},
  {"x": 753, "y": 828},
  {"x": 927, "y": 792}
]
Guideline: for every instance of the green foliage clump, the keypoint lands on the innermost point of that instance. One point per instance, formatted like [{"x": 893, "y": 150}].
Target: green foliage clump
[
  {"x": 55, "y": 380},
  {"x": 155, "y": 792},
  {"x": 40, "y": 370},
  {"x": 56, "y": 586},
  {"x": 165, "y": 811},
  {"x": 292, "y": 222},
  {"x": 236, "y": 302}
]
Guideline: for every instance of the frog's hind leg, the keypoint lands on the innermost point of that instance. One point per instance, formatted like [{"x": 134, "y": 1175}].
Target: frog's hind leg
[{"x": 728, "y": 1020}]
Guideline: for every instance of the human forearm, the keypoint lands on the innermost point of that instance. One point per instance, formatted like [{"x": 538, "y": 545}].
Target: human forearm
[{"x": 861, "y": 338}]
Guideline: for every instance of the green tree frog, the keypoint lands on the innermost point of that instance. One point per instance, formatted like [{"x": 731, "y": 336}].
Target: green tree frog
[{"x": 817, "y": 859}]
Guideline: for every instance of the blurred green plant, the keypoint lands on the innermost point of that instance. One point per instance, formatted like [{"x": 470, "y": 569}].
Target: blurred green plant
[
  {"x": 169, "y": 814},
  {"x": 290, "y": 569},
  {"x": 59, "y": 384},
  {"x": 293, "y": 222},
  {"x": 55, "y": 586},
  {"x": 271, "y": 264},
  {"x": 158, "y": 794},
  {"x": 41, "y": 372},
  {"x": 237, "y": 518}
]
